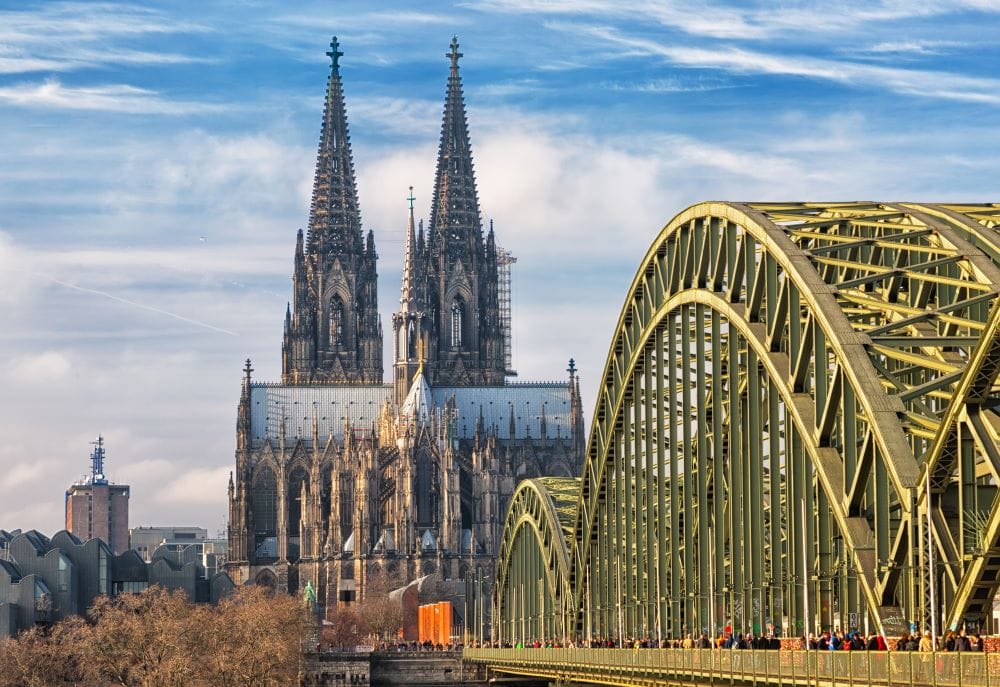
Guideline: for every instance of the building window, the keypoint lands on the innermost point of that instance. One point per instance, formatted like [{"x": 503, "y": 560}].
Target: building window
[
  {"x": 104, "y": 581},
  {"x": 411, "y": 340},
  {"x": 63, "y": 573},
  {"x": 294, "y": 500},
  {"x": 264, "y": 502},
  {"x": 457, "y": 315},
  {"x": 336, "y": 322}
]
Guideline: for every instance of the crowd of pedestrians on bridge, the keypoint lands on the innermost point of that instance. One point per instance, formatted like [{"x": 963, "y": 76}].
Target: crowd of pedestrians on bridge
[
  {"x": 855, "y": 641},
  {"x": 826, "y": 641}
]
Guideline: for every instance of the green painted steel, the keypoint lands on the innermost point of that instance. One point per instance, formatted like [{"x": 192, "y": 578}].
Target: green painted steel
[
  {"x": 698, "y": 667},
  {"x": 783, "y": 381}
]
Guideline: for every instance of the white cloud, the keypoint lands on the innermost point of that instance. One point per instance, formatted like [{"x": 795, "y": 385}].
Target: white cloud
[
  {"x": 505, "y": 89},
  {"x": 911, "y": 47},
  {"x": 223, "y": 177},
  {"x": 669, "y": 85},
  {"x": 51, "y": 94},
  {"x": 364, "y": 20},
  {"x": 697, "y": 19},
  {"x": 741, "y": 21},
  {"x": 145, "y": 470},
  {"x": 65, "y": 36},
  {"x": 931, "y": 84},
  {"x": 40, "y": 368},
  {"x": 402, "y": 116},
  {"x": 16, "y": 64},
  {"x": 197, "y": 486},
  {"x": 23, "y": 473},
  {"x": 13, "y": 259}
]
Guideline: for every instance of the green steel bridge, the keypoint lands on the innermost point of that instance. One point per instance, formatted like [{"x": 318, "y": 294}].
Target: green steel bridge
[
  {"x": 658, "y": 667},
  {"x": 797, "y": 428}
]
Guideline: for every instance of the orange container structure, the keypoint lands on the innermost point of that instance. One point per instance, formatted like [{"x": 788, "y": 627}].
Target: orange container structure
[{"x": 434, "y": 622}]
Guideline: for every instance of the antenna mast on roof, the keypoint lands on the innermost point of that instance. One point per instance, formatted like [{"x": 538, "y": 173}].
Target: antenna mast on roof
[{"x": 97, "y": 462}]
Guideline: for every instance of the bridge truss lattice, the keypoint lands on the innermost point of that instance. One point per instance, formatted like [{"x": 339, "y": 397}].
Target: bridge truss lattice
[{"x": 783, "y": 381}]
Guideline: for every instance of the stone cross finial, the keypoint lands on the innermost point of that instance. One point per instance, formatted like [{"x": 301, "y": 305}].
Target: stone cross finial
[
  {"x": 411, "y": 199},
  {"x": 454, "y": 54},
  {"x": 334, "y": 53}
]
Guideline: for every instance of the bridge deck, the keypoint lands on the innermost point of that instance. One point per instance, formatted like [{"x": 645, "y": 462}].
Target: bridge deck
[{"x": 622, "y": 667}]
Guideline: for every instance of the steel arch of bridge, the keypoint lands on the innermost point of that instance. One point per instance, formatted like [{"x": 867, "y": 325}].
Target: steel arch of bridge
[
  {"x": 534, "y": 560},
  {"x": 783, "y": 380}
]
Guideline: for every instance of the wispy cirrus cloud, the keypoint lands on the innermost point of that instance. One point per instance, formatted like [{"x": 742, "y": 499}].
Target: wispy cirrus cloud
[
  {"x": 396, "y": 115},
  {"x": 669, "y": 85},
  {"x": 506, "y": 88},
  {"x": 701, "y": 20},
  {"x": 924, "y": 83},
  {"x": 13, "y": 61},
  {"x": 365, "y": 20},
  {"x": 52, "y": 94},
  {"x": 743, "y": 21},
  {"x": 909, "y": 47},
  {"x": 66, "y": 36}
]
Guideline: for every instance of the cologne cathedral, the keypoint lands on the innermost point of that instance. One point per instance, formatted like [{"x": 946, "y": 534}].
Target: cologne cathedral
[{"x": 352, "y": 484}]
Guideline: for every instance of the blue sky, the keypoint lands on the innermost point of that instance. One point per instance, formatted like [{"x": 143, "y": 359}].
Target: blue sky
[{"x": 156, "y": 160}]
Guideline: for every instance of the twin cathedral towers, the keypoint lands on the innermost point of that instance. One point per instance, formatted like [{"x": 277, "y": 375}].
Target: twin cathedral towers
[
  {"x": 351, "y": 484},
  {"x": 449, "y": 306}
]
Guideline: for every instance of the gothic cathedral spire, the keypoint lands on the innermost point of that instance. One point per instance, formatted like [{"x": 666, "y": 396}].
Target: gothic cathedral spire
[
  {"x": 333, "y": 334},
  {"x": 456, "y": 228},
  {"x": 465, "y": 345},
  {"x": 334, "y": 217},
  {"x": 410, "y": 323}
]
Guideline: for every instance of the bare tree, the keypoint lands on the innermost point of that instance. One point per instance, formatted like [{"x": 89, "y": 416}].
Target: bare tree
[
  {"x": 345, "y": 628},
  {"x": 142, "y": 640},
  {"x": 254, "y": 638},
  {"x": 383, "y": 617},
  {"x": 44, "y": 657}
]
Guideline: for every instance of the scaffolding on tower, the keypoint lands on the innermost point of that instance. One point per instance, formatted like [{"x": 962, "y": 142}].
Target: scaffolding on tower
[{"x": 505, "y": 261}]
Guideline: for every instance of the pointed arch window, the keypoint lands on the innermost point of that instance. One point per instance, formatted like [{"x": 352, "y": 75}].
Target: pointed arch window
[
  {"x": 411, "y": 340},
  {"x": 336, "y": 322},
  {"x": 457, "y": 317},
  {"x": 264, "y": 505},
  {"x": 296, "y": 508}
]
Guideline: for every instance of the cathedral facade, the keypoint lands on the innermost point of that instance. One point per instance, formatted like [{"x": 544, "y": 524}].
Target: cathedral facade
[{"x": 353, "y": 484}]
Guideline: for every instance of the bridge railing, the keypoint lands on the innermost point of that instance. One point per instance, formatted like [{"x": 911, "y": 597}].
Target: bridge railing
[{"x": 833, "y": 668}]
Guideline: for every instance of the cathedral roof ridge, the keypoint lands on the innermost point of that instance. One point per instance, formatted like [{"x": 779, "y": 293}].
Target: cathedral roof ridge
[
  {"x": 317, "y": 384},
  {"x": 535, "y": 382}
]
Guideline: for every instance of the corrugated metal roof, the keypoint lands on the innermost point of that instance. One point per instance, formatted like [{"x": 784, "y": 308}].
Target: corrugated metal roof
[{"x": 272, "y": 403}]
